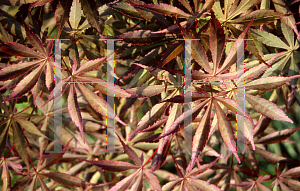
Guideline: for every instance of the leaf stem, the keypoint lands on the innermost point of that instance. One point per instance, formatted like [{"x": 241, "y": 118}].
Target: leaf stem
[{"x": 176, "y": 164}]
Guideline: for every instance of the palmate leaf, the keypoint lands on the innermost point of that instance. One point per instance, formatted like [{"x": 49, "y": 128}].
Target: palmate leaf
[
  {"x": 120, "y": 166},
  {"x": 15, "y": 70}
]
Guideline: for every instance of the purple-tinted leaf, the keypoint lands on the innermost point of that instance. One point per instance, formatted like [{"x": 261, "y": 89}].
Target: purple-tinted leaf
[
  {"x": 16, "y": 70},
  {"x": 295, "y": 184},
  {"x": 124, "y": 184},
  {"x": 269, "y": 156},
  {"x": 269, "y": 83},
  {"x": 216, "y": 42},
  {"x": 113, "y": 166},
  {"x": 231, "y": 58},
  {"x": 139, "y": 183},
  {"x": 294, "y": 172},
  {"x": 30, "y": 127},
  {"x": 35, "y": 40},
  {"x": 61, "y": 14},
  {"x": 152, "y": 179},
  {"x": 165, "y": 9},
  {"x": 126, "y": 9},
  {"x": 89, "y": 8},
  {"x": 20, "y": 143},
  {"x": 226, "y": 130},
  {"x": 26, "y": 84},
  {"x": 99, "y": 104},
  {"x": 261, "y": 17},
  {"x": 131, "y": 153},
  {"x": 50, "y": 160},
  {"x": 195, "y": 96},
  {"x": 198, "y": 53},
  {"x": 233, "y": 106},
  {"x": 282, "y": 7},
  {"x": 175, "y": 28},
  {"x": 66, "y": 179},
  {"x": 267, "y": 108},
  {"x": 17, "y": 49},
  {"x": 171, "y": 185},
  {"x": 203, "y": 185},
  {"x": 74, "y": 111},
  {"x": 186, "y": 4},
  {"x": 90, "y": 65},
  {"x": 201, "y": 136},
  {"x": 141, "y": 37},
  {"x": 43, "y": 185},
  {"x": 277, "y": 136},
  {"x": 4, "y": 137},
  {"x": 150, "y": 117}
]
